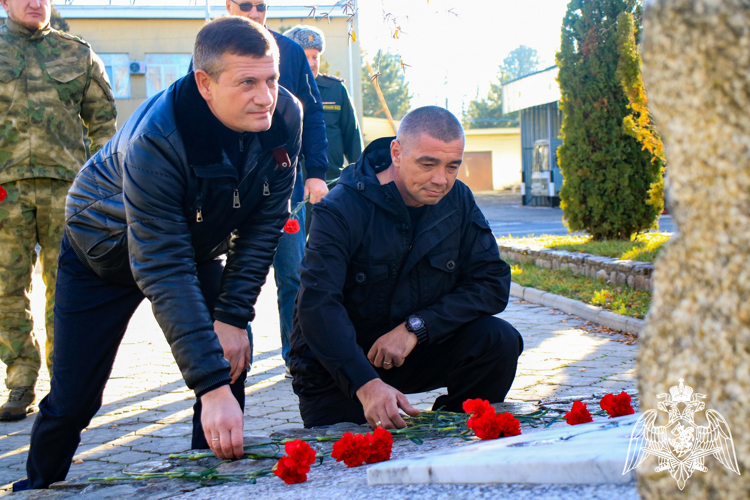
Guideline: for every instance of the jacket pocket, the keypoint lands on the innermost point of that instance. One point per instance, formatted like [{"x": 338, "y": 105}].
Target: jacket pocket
[
  {"x": 444, "y": 261},
  {"x": 69, "y": 79},
  {"x": 108, "y": 253},
  {"x": 368, "y": 290},
  {"x": 438, "y": 277},
  {"x": 10, "y": 71}
]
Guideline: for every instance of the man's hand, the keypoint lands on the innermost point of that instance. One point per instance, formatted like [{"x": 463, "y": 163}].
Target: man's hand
[
  {"x": 316, "y": 189},
  {"x": 236, "y": 347},
  {"x": 381, "y": 403},
  {"x": 222, "y": 422},
  {"x": 392, "y": 348}
]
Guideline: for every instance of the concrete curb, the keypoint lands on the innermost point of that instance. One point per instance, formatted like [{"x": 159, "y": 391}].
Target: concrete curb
[{"x": 578, "y": 308}]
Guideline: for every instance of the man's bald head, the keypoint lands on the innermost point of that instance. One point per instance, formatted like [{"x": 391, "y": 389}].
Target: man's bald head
[{"x": 434, "y": 121}]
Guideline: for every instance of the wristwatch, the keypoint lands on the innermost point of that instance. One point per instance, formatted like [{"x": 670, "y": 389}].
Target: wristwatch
[{"x": 415, "y": 324}]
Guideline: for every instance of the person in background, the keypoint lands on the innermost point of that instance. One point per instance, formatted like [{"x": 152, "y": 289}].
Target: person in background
[
  {"x": 342, "y": 127},
  {"x": 52, "y": 88},
  {"x": 297, "y": 78}
]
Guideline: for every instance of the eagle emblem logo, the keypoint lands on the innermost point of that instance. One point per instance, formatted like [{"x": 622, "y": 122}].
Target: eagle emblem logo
[{"x": 681, "y": 446}]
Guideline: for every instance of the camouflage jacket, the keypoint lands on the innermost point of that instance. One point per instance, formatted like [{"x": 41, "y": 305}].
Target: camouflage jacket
[{"x": 52, "y": 89}]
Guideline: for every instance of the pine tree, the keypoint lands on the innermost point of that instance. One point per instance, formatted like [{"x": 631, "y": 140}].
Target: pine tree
[
  {"x": 392, "y": 83},
  {"x": 488, "y": 112},
  {"x": 638, "y": 124},
  {"x": 607, "y": 174}
]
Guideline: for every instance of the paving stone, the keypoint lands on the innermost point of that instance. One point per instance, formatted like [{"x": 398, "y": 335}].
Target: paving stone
[
  {"x": 129, "y": 457},
  {"x": 591, "y": 453},
  {"x": 162, "y": 445},
  {"x": 146, "y": 419}
]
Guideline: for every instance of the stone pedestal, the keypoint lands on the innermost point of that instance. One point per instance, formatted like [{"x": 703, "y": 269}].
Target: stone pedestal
[
  {"x": 696, "y": 57},
  {"x": 592, "y": 453}
]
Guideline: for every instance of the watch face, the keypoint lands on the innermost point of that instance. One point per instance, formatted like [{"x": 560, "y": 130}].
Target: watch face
[{"x": 415, "y": 322}]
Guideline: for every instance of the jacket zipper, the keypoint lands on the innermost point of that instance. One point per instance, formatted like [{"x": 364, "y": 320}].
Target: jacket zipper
[
  {"x": 266, "y": 187},
  {"x": 236, "y": 203},
  {"x": 199, "y": 213}
]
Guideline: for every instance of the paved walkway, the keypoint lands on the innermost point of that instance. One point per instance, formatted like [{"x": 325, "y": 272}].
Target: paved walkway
[{"x": 146, "y": 412}]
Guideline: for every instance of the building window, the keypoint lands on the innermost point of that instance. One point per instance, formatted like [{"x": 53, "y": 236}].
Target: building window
[
  {"x": 118, "y": 72},
  {"x": 164, "y": 69}
]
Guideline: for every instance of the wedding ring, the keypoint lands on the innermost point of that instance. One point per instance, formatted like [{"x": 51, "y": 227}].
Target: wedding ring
[
  {"x": 378, "y": 423},
  {"x": 215, "y": 439},
  {"x": 386, "y": 362}
]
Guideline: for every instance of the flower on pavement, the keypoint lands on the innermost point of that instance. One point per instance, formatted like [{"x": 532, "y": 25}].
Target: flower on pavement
[
  {"x": 381, "y": 444},
  {"x": 293, "y": 467},
  {"x": 617, "y": 406},
  {"x": 579, "y": 414},
  {"x": 352, "y": 449},
  {"x": 477, "y": 408},
  {"x": 291, "y": 226},
  {"x": 300, "y": 452},
  {"x": 492, "y": 426}
]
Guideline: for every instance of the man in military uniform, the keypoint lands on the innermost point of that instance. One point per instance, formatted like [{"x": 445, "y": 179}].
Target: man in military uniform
[
  {"x": 51, "y": 85},
  {"x": 342, "y": 128}
]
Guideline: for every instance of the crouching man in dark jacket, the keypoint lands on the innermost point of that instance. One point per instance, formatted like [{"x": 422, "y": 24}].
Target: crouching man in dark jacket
[
  {"x": 400, "y": 282},
  {"x": 201, "y": 171}
]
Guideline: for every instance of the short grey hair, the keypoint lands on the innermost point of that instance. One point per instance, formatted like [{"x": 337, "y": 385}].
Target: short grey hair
[
  {"x": 434, "y": 121},
  {"x": 230, "y": 35}
]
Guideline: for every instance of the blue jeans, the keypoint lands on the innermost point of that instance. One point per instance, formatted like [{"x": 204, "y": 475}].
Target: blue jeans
[{"x": 286, "y": 270}]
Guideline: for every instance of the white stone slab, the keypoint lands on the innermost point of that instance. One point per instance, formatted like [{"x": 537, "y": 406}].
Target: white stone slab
[{"x": 576, "y": 454}]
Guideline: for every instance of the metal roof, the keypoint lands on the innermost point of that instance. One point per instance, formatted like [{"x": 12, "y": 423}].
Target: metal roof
[
  {"x": 531, "y": 90},
  {"x": 180, "y": 9}
]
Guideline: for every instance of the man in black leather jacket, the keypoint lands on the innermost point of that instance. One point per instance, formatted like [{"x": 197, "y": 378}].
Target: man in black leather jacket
[
  {"x": 400, "y": 284},
  {"x": 201, "y": 171}
]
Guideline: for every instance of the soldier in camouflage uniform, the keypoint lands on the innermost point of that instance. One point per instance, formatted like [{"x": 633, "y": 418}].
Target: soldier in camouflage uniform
[{"x": 51, "y": 85}]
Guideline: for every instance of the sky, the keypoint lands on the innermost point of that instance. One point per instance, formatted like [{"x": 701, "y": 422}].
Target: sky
[{"x": 454, "y": 47}]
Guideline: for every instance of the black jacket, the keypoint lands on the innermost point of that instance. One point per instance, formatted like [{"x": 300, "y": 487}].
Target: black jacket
[
  {"x": 162, "y": 195},
  {"x": 363, "y": 273}
]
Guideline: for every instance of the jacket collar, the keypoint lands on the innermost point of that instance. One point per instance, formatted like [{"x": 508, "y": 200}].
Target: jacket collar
[
  {"x": 362, "y": 177},
  {"x": 22, "y": 32},
  {"x": 202, "y": 144}
]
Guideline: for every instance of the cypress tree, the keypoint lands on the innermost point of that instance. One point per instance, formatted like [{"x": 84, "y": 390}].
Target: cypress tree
[
  {"x": 639, "y": 124},
  {"x": 607, "y": 173}
]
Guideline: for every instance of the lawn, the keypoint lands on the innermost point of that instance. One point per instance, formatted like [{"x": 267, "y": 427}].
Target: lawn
[
  {"x": 618, "y": 299},
  {"x": 645, "y": 248}
]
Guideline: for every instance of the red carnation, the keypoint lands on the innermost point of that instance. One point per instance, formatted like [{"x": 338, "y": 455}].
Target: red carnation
[
  {"x": 300, "y": 452},
  {"x": 291, "y": 226},
  {"x": 351, "y": 449},
  {"x": 492, "y": 426},
  {"x": 289, "y": 471},
  {"x": 579, "y": 414},
  {"x": 381, "y": 443},
  {"x": 3, "y": 193},
  {"x": 617, "y": 406},
  {"x": 477, "y": 408},
  {"x": 294, "y": 467}
]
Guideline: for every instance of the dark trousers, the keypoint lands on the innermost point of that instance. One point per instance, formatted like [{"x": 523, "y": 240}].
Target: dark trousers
[
  {"x": 91, "y": 316},
  {"x": 478, "y": 361}
]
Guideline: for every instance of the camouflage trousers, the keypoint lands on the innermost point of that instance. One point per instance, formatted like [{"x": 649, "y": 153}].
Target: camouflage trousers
[{"x": 33, "y": 212}]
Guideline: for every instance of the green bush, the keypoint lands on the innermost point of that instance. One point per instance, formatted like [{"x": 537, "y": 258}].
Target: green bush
[{"x": 607, "y": 173}]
